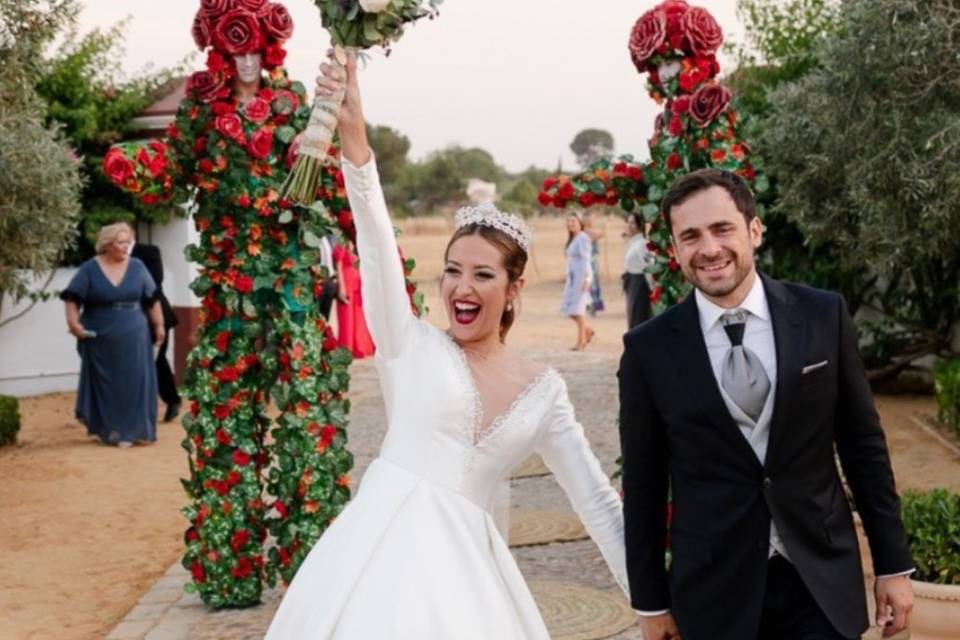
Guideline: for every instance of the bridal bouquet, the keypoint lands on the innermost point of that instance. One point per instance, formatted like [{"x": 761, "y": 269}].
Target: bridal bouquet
[{"x": 353, "y": 25}]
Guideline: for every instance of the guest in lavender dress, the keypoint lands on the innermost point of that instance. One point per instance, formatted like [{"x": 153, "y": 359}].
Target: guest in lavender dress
[{"x": 576, "y": 290}]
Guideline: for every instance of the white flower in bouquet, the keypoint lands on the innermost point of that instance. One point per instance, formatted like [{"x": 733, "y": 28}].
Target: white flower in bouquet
[
  {"x": 374, "y": 6},
  {"x": 668, "y": 70}
]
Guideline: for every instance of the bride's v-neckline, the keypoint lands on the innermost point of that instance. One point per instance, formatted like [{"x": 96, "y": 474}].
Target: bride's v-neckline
[{"x": 478, "y": 434}]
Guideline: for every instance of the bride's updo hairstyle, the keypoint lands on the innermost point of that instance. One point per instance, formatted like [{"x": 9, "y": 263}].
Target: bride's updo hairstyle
[{"x": 505, "y": 231}]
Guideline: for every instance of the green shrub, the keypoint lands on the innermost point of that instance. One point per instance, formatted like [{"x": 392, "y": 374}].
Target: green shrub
[
  {"x": 946, "y": 378},
  {"x": 9, "y": 420},
  {"x": 932, "y": 520}
]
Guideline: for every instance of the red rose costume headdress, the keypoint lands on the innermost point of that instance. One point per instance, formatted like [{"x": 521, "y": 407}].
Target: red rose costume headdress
[{"x": 234, "y": 28}]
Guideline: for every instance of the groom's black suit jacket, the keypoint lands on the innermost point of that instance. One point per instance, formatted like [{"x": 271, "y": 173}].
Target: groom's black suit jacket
[{"x": 676, "y": 431}]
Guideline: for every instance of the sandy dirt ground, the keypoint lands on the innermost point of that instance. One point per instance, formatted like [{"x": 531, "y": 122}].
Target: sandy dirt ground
[{"x": 86, "y": 529}]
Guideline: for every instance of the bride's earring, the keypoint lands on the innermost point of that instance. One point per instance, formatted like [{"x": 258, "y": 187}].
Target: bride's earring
[{"x": 509, "y": 306}]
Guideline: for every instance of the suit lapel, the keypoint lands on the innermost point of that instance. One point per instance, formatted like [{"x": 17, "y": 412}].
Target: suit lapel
[
  {"x": 789, "y": 335},
  {"x": 691, "y": 350}
]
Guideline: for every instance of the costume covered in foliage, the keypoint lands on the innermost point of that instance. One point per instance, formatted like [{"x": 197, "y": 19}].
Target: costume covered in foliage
[
  {"x": 675, "y": 44},
  {"x": 261, "y": 332}
]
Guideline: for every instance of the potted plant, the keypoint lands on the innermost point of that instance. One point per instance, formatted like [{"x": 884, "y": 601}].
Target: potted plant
[{"x": 932, "y": 521}]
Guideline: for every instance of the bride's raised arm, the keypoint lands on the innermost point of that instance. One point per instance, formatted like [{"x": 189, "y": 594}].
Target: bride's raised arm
[{"x": 386, "y": 303}]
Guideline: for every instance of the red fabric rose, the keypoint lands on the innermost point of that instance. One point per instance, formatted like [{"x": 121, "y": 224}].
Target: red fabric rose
[
  {"x": 222, "y": 341},
  {"x": 238, "y": 33},
  {"x": 278, "y": 24},
  {"x": 261, "y": 144},
  {"x": 648, "y": 34},
  {"x": 221, "y": 412},
  {"x": 243, "y": 569},
  {"x": 213, "y": 9},
  {"x": 676, "y": 125},
  {"x": 234, "y": 478},
  {"x": 229, "y": 126},
  {"x": 116, "y": 166},
  {"x": 223, "y": 437},
  {"x": 702, "y": 31},
  {"x": 244, "y": 284},
  {"x": 549, "y": 183},
  {"x": 201, "y": 30},
  {"x": 708, "y": 102},
  {"x": 587, "y": 198},
  {"x": 544, "y": 199},
  {"x": 674, "y": 161},
  {"x": 205, "y": 166},
  {"x": 228, "y": 374},
  {"x": 198, "y": 573},
  {"x": 634, "y": 172},
  {"x": 257, "y": 110},
  {"x": 216, "y": 63},
  {"x": 239, "y": 540},
  {"x": 207, "y": 87},
  {"x": 681, "y": 104},
  {"x": 566, "y": 191},
  {"x": 274, "y": 56},
  {"x": 259, "y": 7},
  {"x": 241, "y": 458}
]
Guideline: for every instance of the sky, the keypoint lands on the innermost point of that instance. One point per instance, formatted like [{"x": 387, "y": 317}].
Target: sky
[{"x": 519, "y": 78}]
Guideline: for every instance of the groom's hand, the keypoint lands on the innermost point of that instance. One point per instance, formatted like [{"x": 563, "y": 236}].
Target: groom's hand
[
  {"x": 660, "y": 627},
  {"x": 894, "y": 604}
]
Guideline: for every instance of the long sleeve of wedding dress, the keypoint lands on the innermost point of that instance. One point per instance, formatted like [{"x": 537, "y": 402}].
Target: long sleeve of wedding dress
[
  {"x": 387, "y": 306},
  {"x": 565, "y": 449}
]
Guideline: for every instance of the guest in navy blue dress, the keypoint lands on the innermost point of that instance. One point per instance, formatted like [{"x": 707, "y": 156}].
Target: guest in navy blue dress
[{"x": 105, "y": 300}]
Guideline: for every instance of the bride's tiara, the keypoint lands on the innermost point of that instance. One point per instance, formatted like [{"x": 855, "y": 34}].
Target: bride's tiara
[{"x": 487, "y": 215}]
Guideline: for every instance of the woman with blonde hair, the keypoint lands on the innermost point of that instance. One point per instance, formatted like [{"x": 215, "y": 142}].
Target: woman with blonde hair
[
  {"x": 576, "y": 289},
  {"x": 105, "y": 302}
]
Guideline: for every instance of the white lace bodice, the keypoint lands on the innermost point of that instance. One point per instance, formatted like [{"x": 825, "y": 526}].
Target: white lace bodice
[{"x": 433, "y": 407}]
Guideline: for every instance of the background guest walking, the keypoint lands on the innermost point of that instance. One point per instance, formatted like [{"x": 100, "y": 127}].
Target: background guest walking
[
  {"x": 352, "y": 325},
  {"x": 635, "y": 259},
  {"x": 150, "y": 256},
  {"x": 105, "y": 300},
  {"x": 595, "y": 232},
  {"x": 576, "y": 291}
]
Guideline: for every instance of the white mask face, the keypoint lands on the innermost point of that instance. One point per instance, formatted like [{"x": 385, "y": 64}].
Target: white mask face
[{"x": 248, "y": 67}]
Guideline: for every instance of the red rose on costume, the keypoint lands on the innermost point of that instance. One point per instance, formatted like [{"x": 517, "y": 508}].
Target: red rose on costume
[
  {"x": 278, "y": 24},
  {"x": 221, "y": 412},
  {"x": 702, "y": 31},
  {"x": 274, "y": 56},
  {"x": 634, "y": 172},
  {"x": 681, "y": 104},
  {"x": 205, "y": 166},
  {"x": 241, "y": 458},
  {"x": 116, "y": 166},
  {"x": 213, "y": 9},
  {"x": 239, "y": 540},
  {"x": 544, "y": 199},
  {"x": 261, "y": 144},
  {"x": 257, "y": 110},
  {"x": 243, "y": 569},
  {"x": 222, "y": 341},
  {"x": 201, "y": 30},
  {"x": 216, "y": 62},
  {"x": 708, "y": 102},
  {"x": 674, "y": 161},
  {"x": 244, "y": 284},
  {"x": 587, "y": 198},
  {"x": 648, "y": 34},
  {"x": 196, "y": 570},
  {"x": 285, "y": 102},
  {"x": 676, "y": 125},
  {"x": 656, "y": 294},
  {"x": 566, "y": 191},
  {"x": 206, "y": 87},
  {"x": 229, "y": 126},
  {"x": 223, "y": 437},
  {"x": 238, "y": 33},
  {"x": 259, "y": 7},
  {"x": 222, "y": 108},
  {"x": 228, "y": 374},
  {"x": 234, "y": 478},
  {"x": 718, "y": 155}
]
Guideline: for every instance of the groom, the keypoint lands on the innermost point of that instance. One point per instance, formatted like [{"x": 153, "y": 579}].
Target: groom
[{"x": 733, "y": 403}]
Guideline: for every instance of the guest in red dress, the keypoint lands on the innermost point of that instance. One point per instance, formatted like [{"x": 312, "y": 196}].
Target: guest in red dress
[{"x": 353, "y": 333}]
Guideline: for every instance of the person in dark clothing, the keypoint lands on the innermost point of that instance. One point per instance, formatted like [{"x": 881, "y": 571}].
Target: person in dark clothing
[{"x": 149, "y": 255}]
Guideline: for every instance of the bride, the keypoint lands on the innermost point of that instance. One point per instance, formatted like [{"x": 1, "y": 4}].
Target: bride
[{"x": 417, "y": 553}]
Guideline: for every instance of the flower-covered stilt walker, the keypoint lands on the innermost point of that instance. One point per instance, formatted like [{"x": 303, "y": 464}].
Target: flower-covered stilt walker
[{"x": 229, "y": 151}]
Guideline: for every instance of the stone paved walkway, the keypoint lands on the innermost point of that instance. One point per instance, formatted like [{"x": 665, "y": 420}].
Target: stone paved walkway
[{"x": 166, "y": 613}]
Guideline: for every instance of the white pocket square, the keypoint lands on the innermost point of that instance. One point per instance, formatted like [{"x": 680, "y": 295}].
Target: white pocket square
[{"x": 813, "y": 367}]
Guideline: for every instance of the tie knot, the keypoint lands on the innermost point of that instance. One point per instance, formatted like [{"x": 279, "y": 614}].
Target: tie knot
[{"x": 734, "y": 323}]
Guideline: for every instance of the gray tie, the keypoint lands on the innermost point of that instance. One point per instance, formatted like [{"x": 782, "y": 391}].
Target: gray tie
[{"x": 742, "y": 375}]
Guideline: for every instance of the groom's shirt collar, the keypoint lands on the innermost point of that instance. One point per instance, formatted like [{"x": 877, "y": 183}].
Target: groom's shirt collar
[{"x": 755, "y": 303}]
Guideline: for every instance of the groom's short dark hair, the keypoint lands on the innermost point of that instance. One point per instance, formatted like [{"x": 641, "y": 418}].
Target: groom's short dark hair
[{"x": 701, "y": 179}]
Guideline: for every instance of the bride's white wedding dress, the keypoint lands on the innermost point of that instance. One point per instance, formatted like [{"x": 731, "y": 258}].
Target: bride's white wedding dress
[{"x": 417, "y": 554}]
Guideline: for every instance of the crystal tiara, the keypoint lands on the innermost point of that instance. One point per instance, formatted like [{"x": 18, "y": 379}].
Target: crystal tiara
[{"x": 487, "y": 215}]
